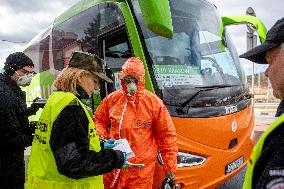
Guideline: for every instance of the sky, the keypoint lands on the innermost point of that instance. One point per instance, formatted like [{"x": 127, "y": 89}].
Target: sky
[
  {"x": 267, "y": 11},
  {"x": 21, "y": 20}
]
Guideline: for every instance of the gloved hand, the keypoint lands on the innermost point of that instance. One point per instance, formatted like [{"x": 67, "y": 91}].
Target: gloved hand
[
  {"x": 32, "y": 126},
  {"x": 124, "y": 146},
  {"x": 169, "y": 181},
  {"x": 38, "y": 103},
  {"x": 34, "y": 107},
  {"x": 109, "y": 144},
  {"x": 125, "y": 164}
]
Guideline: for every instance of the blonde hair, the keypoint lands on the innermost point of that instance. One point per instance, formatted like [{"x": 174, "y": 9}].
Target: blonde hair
[{"x": 67, "y": 80}]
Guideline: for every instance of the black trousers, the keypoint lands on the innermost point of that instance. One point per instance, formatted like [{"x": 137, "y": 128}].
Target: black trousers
[{"x": 12, "y": 169}]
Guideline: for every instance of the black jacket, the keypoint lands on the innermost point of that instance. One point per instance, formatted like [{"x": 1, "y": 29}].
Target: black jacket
[
  {"x": 269, "y": 168},
  {"x": 70, "y": 146},
  {"x": 15, "y": 133}
]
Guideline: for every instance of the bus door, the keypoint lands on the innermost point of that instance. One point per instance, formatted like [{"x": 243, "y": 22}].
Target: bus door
[{"x": 115, "y": 49}]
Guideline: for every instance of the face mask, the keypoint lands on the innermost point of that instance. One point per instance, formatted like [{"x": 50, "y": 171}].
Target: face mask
[
  {"x": 88, "y": 105},
  {"x": 131, "y": 88},
  {"x": 87, "y": 102},
  {"x": 24, "y": 80},
  {"x": 96, "y": 92}
]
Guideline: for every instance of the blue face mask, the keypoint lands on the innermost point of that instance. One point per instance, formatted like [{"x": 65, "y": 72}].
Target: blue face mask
[
  {"x": 88, "y": 105},
  {"x": 87, "y": 102}
]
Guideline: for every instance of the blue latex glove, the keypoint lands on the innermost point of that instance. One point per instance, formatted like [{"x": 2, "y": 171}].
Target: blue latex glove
[
  {"x": 125, "y": 163},
  {"x": 109, "y": 144}
]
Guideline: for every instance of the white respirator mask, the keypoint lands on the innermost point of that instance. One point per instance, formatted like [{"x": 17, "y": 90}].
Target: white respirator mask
[
  {"x": 24, "y": 80},
  {"x": 131, "y": 88}
]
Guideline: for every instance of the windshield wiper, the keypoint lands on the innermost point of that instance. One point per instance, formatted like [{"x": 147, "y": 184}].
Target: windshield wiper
[
  {"x": 215, "y": 86},
  {"x": 180, "y": 109},
  {"x": 204, "y": 88}
]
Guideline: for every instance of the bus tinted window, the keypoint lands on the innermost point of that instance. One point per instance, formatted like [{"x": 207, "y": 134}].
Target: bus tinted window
[
  {"x": 51, "y": 50},
  {"x": 81, "y": 32},
  {"x": 39, "y": 51}
]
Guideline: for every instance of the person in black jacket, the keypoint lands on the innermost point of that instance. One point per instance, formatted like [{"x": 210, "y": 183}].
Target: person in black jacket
[
  {"x": 15, "y": 130},
  {"x": 266, "y": 164},
  {"x": 66, "y": 145}
]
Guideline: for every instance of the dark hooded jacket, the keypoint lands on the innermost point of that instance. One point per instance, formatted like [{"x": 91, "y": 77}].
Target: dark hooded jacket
[{"x": 15, "y": 133}]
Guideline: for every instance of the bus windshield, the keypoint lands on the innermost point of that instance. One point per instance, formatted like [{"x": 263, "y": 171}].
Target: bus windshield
[{"x": 196, "y": 56}]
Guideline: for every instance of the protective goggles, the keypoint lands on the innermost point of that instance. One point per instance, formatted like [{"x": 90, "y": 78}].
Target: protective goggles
[{"x": 128, "y": 79}]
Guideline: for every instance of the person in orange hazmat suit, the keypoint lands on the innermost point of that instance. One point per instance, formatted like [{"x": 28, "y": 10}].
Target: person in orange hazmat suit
[{"x": 141, "y": 117}]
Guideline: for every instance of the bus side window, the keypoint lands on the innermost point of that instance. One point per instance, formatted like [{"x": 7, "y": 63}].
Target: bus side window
[{"x": 81, "y": 32}]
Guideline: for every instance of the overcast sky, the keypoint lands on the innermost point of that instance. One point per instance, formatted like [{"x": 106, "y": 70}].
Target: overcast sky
[
  {"x": 268, "y": 11},
  {"x": 20, "y": 20}
]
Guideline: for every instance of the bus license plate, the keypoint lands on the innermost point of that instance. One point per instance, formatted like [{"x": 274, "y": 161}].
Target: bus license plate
[{"x": 234, "y": 165}]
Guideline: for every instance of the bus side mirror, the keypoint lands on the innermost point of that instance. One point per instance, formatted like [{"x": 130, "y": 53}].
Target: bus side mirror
[
  {"x": 245, "y": 19},
  {"x": 157, "y": 16}
]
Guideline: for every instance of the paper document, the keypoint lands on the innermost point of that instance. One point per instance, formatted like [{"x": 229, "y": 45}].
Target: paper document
[{"x": 123, "y": 145}]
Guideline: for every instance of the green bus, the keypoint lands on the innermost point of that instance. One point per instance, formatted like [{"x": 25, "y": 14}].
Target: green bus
[{"x": 190, "y": 62}]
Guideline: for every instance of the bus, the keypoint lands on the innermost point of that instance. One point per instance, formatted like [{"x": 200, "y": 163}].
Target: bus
[{"x": 190, "y": 63}]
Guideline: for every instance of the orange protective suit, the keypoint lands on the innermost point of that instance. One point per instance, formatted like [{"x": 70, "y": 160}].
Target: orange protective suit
[{"x": 146, "y": 124}]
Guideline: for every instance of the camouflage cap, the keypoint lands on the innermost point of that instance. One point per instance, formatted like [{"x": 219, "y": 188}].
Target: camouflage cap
[{"x": 90, "y": 62}]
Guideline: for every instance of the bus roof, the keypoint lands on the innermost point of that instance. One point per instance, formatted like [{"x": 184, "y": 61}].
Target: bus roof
[
  {"x": 74, "y": 10},
  {"x": 77, "y": 8}
]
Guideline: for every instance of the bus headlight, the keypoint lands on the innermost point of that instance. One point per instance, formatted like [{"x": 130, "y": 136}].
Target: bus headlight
[{"x": 188, "y": 160}]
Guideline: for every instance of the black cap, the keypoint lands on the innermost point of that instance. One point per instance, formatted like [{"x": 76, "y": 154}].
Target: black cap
[
  {"x": 16, "y": 61},
  {"x": 274, "y": 38},
  {"x": 90, "y": 62}
]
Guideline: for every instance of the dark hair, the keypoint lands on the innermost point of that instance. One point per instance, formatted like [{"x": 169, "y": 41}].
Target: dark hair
[{"x": 16, "y": 61}]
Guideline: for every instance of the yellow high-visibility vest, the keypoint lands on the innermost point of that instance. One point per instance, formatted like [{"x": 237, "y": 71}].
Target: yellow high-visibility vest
[
  {"x": 42, "y": 169},
  {"x": 257, "y": 152}
]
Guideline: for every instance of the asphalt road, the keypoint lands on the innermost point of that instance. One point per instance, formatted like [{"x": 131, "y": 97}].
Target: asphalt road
[{"x": 236, "y": 182}]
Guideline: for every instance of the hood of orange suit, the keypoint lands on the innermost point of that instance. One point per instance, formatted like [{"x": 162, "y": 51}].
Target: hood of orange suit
[{"x": 134, "y": 67}]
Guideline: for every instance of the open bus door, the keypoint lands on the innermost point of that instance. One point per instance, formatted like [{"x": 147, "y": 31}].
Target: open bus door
[{"x": 115, "y": 49}]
